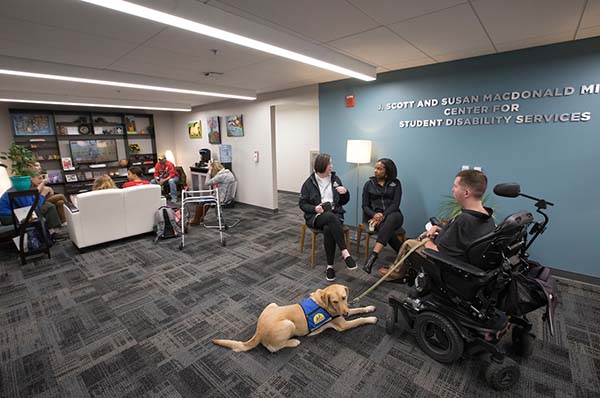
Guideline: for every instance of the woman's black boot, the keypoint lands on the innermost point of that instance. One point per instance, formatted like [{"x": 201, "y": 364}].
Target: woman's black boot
[{"x": 370, "y": 261}]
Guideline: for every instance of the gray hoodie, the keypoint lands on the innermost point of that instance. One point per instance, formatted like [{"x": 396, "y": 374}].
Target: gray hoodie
[{"x": 227, "y": 185}]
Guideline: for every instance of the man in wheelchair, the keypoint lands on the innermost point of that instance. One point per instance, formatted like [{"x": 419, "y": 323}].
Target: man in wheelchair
[
  {"x": 474, "y": 282},
  {"x": 453, "y": 238}
]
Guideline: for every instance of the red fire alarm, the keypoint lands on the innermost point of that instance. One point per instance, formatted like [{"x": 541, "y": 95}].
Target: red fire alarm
[{"x": 350, "y": 101}]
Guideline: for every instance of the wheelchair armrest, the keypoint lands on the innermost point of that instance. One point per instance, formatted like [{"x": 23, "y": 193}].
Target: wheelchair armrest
[{"x": 454, "y": 262}]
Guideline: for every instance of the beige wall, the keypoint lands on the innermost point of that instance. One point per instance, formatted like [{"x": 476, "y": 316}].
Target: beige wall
[{"x": 257, "y": 181}]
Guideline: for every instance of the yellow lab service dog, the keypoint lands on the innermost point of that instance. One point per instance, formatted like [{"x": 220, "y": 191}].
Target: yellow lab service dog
[{"x": 277, "y": 325}]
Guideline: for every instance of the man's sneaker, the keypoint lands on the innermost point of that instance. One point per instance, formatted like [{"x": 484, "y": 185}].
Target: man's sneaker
[
  {"x": 330, "y": 275},
  {"x": 350, "y": 263}
]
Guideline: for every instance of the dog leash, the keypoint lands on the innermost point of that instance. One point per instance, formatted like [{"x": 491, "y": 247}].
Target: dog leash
[{"x": 391, "y": 269}]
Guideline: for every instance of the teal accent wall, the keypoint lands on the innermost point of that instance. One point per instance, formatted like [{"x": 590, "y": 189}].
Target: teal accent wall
[{"x": 557, "y": 161}]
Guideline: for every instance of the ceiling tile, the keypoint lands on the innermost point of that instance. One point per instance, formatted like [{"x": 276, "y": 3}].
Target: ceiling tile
[
  {"x": 40, "y": 51},
  {"x": 379, "y": 46},
  {"x": 588, "y": 32},
  {"x": 79, "y": 44},
  {"x": 448, "y": 31},
  {"x": 591, "y": 16},
  {"x": 74, "y": 90},
  {"x": 390, "y": 11},
  {"x": 277, "y": 71},
  {"x": 320, "y": 20},
  {"x": 535, "y": 41},
  {"x": 78, "y": 16},
  {"x": 197, "y": 47},
  {"x": 514, "y": 20}
]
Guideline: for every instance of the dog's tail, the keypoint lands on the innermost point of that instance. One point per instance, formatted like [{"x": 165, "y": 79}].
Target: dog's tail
[{"x": 239, "y": 346}]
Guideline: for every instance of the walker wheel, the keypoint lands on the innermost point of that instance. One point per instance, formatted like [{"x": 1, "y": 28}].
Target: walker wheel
[
  {"x": 181, "y": 246},
  {"x": 223, "y": 242}
]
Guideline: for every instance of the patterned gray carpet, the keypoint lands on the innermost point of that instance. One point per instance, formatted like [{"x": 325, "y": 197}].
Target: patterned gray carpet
[{"x": 135, "y": 319}]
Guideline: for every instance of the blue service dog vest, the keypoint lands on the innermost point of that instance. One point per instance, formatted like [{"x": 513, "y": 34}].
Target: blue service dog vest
[{"x": 316, "y": 316}]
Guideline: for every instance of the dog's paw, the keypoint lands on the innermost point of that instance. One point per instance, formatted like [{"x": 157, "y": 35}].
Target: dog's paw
[
  {"x": 370, "y": 308},
  {"x": 371, "y": 319}
]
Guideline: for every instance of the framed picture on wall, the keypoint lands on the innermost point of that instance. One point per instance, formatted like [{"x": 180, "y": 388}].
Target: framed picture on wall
[
  {"x": 32, "y": 123},
  {"x": 214, "y": 130},
  {"x": 130, "y": 124},
  {"x": 195, "y": 129},
  {"x": 235, "y": 126}
]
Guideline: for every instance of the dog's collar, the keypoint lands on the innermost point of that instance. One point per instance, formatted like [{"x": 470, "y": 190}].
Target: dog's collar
[{"x": 316, "y": 316}]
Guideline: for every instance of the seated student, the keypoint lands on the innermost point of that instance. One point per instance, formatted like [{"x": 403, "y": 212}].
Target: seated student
[
  {"x": 224, "y": 180},
  {"x": 321, "y": 199},
  {"x": 103, "y": 182},
  {"x": 165, "y": 173},
  {"x": 381, "y": 207},
  {"x": 48, "y": 212},
  {"x": 453, "y": 238},
  {"x": 50, "y": 198},
  {"x": 134, "y": 175}
]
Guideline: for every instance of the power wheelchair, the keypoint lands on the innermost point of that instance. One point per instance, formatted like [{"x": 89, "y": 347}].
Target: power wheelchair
[{"x": 459, "y": 308}]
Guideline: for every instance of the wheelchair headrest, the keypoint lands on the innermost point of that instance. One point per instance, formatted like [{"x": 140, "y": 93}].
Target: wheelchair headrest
[{"x": 488, "y": 251}]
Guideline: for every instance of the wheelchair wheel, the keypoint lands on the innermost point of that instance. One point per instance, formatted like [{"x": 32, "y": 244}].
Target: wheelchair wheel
[
  {"x": 390, "y": 319},
  {"x": 522, "y": 342},
  {"x": 502, "y": 376},
  {"x": 438, "y": 337}
]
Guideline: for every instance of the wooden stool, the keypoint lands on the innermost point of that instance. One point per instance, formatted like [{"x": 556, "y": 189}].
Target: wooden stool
[
  {"x": 400, "y": 233},
  {"x": 315, "y": 232}
]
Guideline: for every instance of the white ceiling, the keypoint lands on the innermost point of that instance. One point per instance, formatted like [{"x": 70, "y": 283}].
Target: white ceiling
[{"x": 388, "y": 34}]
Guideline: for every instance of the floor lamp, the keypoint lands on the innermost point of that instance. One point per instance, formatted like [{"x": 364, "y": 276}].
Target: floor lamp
[{"x": 358, "y": 152}]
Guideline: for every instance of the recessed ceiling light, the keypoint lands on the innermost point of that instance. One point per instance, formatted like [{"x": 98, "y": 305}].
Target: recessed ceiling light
[
  {"x": 186, "y": 24},
  {"x": 152, "y": 108},
  {"x": 121, "y": 84}
]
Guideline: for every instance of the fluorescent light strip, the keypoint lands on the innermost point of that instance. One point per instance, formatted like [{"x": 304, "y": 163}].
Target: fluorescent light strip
[
  {"x": 119, "y": 84},
  {"x": 152, "y": 108},
  {"x": 182, "y": 23}
]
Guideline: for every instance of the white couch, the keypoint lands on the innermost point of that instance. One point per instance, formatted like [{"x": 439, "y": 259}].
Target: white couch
[{"x": 110, "y": 214}]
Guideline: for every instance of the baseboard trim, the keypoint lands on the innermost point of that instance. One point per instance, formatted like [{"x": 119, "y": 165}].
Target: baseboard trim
[
  {"x": 291, "y": 192},
  {"x": 256, "y": 207},
  {"x": 592, "y": 280}
]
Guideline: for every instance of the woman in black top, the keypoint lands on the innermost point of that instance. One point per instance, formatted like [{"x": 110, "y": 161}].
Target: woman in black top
[
  {"x": 381, "y": 208},
  {"x": 321, "y": 199}
]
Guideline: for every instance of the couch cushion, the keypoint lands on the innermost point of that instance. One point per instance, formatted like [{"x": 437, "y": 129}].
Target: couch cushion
[
  {"x": 102, "y": 215},
  {"x": 140, "y": 202}
]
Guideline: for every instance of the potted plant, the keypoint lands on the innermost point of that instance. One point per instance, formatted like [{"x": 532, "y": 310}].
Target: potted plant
[
  {"x": 22, "y": 161},
  {"x": 449, "y": 208}
]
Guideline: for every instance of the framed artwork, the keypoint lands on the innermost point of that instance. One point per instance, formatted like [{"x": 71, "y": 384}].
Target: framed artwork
[
  {"x": 235, "y": 126},
  {"x": 33, "y": 123},
  {"x": 225, "y": 153},
  {"x": 312, "y": 155},
  {"x": 88, "y": 175},
  {"x": 109, "y": 130},
  {"x": 71, "y": 177},
  {"x": 67, "y": 164},
  {"x": 55, "y": 177},
  {"x": 214, "y": 130},
  {"x": 195, "y": 129},
  {"x": 130, "y": 124}
]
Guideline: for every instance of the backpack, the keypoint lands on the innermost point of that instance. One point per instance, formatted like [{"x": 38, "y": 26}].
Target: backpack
[
  {"x": 530, "y": 290},
  {"x": 165, "y": 224}
]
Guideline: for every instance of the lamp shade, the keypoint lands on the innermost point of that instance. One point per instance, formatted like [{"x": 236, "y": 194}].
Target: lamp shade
[{"x": 358, "y": 151}]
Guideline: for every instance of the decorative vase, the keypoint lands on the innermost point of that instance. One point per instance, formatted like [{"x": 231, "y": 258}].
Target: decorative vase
[{"x": 21, "y": 183}]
